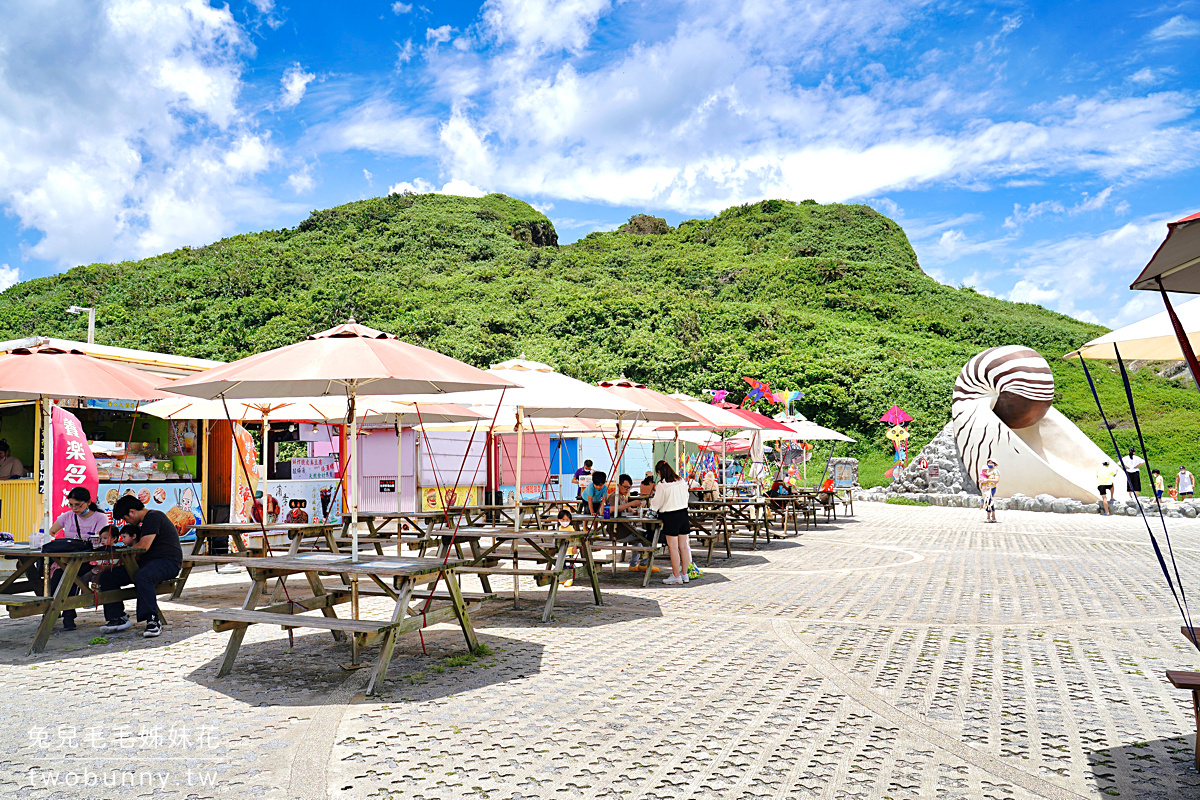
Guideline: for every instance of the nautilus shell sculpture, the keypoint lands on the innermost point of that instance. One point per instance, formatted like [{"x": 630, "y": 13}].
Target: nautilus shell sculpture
[{"x": 1002, "y": 410}]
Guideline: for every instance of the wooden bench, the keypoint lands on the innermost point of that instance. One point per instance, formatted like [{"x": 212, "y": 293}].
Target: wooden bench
[{"x": 1190, "y": 681}]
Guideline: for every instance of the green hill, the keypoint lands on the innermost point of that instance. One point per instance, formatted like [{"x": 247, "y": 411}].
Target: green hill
[{"x": 827, "y": 299}]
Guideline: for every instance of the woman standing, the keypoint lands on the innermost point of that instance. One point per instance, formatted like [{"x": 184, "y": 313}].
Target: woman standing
[
  {"x": 670, "y": 502},
  {"x": 83, "y": 521}
]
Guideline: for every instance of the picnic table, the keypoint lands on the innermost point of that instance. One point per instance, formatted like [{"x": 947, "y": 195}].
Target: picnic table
[
  {"x": 405, "y": 575},
  {"x": 547, "y": 548},
  {"x": 646, "y": 533},
  {"x": 296, "y": 532},
  {"x": 744, "y": 518},
  {"x": 25, "y": 597},
  {"x": 793, "y": 507}
]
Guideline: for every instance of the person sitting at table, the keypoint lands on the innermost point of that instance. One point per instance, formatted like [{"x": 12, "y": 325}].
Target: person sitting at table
[
  {"x": 11, "y": 467},
  {"x": 109, "y": 538},
  {"x": 160, "y": 559},
  {"x": 581, "y": 478},
  {"x": 567, "y": 524},
  {"x": 709, "y": 486},
  {"x": 670, "y": 502},
  {"x": 620, "y": 498},
  {"x": 83, "y": 520}
]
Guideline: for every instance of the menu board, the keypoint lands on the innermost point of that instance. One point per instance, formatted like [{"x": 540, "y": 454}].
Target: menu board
[
  {"x": 319, "y": 467},
  {"x": 180, "y": 502}
]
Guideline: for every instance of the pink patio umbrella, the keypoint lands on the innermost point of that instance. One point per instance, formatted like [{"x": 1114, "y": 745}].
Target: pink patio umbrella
[
  {"x": 345, "y": 360},
  {"x": 41, "y": 373}
]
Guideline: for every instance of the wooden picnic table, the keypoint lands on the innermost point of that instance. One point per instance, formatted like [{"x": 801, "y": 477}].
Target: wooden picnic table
[
  {"x": 647, "y": 533},
  {"x": 743, "y": 517},
  {"x": 296, "y": 532},
  {"x": 25, "y": 597},
  {"x": 549, "y": 548},
  {"x": 394, "y": 577}
]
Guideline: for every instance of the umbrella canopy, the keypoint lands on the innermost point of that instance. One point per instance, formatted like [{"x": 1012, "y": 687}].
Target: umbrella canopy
[
  {"x": 1176, "y": 263},
  {"x": 659, "y": 405},
  {"x": 333, "y": 362},
  {"x": 718, "y": 418},
  {"x": 371, "y": 410},
  {"x": 760, "y": 421},
  {"x": 506, "y": 422},
  {"x": 799, "y": 431},
  {"x": 28, "y": 373},
  {"x": 895, "y": 416},
  {"x": 546, "y": 393},
  {"x": 1151, "y": 339}
]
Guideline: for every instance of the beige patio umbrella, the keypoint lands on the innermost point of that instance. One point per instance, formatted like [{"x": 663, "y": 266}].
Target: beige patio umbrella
[{"x": 342, "y": 361}]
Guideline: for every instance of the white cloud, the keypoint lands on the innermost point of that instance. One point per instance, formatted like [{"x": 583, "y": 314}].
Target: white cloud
[
  {"x": 438, "y": 35},
  {"x": 462, "y": 188},
  {"x": 404, "y": 53},
  {"x": 1034, "y": 210},
  {"x": 135, "y": 144},
  {"x": 401, "y": 8},
  {"x": 724, "y": 121},
  {"x": 422, "y": 186},
  {"x": 368, "y": 177},
  {"x": 301, "y": 182},
  {"x": 1177, "y": 27},
  {"x": 9, "y": 277},
  {"x": 416, "y": 186},
  {"x": 1088, "y": 275},
  {"x": 295, "y": 81},
  {"x": 377, "y": 126},
  {"x": 537, "y": 25}
]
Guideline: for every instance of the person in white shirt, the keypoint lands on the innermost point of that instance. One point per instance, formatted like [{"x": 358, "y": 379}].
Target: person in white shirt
[
  {"x": 670, "y": 502},
  {"x": 1133, "y": 473},
  {"x": 1185, "y": 484}
]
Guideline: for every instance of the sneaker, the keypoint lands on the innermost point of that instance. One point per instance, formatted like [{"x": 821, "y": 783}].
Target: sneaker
[
  {"x": 683, "y": 578},
  {"x": 636, "y": 568},
  {"x": 671, "y": 580},
  {"x": 228, "y": 569},
  {"x": 116, "y": 625},
  {"x": 153, "y": 628},
  {"x": 694, "y": 572}
]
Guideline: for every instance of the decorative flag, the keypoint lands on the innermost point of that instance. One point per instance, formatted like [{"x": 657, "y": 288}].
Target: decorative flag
[
  {"x": 73, "y": 462},
  {"x": 243, "y": 490}
]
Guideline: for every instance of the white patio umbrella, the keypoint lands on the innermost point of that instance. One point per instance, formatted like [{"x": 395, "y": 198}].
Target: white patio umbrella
[{"x": 1150, "y": 339}]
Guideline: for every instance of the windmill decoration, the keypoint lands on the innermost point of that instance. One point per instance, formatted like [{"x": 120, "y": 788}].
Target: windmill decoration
[{"x": 897, "y": 434}]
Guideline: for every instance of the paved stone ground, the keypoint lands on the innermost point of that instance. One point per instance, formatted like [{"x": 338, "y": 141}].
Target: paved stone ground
[{"x": 909, "y": 652}]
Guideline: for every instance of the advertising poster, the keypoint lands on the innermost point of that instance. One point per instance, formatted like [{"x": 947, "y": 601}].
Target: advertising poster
[
  {"x": 73, "y": 462},
  {"x": 435, "y": 498},
  {"x": 315, "y": 468},
  {"x": 245, "y": 463},
  {"x": 179, "y": 501},
  {"x": 303, "y": 502}
]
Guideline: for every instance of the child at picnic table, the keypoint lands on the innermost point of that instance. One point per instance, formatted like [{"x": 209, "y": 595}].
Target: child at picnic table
[
  {"x": 108, "y": 540},
  {"x": 566, "y": 523}
]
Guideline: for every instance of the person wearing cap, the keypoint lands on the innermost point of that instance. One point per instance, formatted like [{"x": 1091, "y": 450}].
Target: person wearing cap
[
  {"x": 989, "y": 480},
  {"x": 1104, "y": 484}
]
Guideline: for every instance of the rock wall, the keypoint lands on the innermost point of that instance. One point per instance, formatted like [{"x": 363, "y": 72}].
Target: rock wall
[{"x": 951, "y": 477}]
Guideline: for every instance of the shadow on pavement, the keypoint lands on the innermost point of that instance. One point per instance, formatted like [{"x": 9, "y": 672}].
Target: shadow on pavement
[
  {"x": 1157, "y": 768},
  {"x": 269, "y": 672}
]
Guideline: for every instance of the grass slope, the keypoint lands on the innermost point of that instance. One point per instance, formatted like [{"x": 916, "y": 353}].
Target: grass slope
[{"x": 828, "y": 299}]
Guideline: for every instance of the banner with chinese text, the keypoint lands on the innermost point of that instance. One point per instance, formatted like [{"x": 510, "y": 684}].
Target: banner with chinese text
[{"x": 72, "y": 459}]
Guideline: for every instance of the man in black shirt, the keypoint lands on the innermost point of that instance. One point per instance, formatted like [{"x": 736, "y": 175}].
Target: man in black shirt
[{"x": 160, "y": 562}]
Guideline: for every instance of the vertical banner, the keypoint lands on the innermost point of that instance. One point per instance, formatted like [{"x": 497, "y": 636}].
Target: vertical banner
[
  {"x": 73, "y": 463},
  {"x": 245, "y": 462}
]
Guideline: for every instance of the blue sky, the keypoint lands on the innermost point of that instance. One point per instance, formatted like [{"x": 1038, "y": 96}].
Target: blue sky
[{"x": 1032, "y": 150}]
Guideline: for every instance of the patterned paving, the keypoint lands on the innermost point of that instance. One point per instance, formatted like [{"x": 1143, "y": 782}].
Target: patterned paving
[{"x": 908, "y": 653}]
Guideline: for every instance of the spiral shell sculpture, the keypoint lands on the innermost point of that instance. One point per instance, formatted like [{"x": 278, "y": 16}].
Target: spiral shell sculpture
[{"x": 1002, "y": 410}]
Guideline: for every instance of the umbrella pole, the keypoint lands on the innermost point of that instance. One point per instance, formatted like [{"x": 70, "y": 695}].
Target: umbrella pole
[
  {"x": 678, "y": 466},
  {"x": 399, "y": 473},
  {"x": 517, "y": 502}
]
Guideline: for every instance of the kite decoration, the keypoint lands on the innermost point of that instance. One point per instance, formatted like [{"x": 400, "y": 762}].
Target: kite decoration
[
  {"x": 895, "y": 416},
  {"x": 718, "y": 395},
  {"x": 759, "y": 390},
  {"x": 897, "y": 434}
]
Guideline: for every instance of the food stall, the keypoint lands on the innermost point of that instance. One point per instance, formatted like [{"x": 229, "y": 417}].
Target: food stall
[{"x": 162, "y": 462}]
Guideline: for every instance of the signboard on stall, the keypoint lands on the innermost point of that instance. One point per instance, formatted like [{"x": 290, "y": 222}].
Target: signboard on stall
[
  {"x": 319, "y": 468},
  {"x": 303, "y": 502},
  {"x": 246, "y": 475},
  {"x": 435, "y": 498},
  {"x": 112, "y": 405},
  {"x": 72, "y": 459},
  {"x": 179, "y": 501},
  {"x": 387, "y": 485}
]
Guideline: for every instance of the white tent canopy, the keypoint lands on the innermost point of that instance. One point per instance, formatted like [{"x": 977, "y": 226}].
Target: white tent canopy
[
  {"x": 371, "y": 410},
  {"x": 1151, "y": 339}
]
